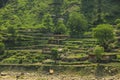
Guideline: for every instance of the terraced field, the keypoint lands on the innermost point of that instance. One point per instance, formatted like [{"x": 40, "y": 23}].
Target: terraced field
[{"x": 33, "y": 41}]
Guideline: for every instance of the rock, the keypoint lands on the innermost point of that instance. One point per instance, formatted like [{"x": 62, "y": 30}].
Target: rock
[
  {"x": 51, "y": 71},
  {"x": 3, "y": 74}
]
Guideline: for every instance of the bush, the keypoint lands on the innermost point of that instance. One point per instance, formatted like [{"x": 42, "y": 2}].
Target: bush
[
  {"x": 118, "y": 26},
  {"x": 98, "y": 51},
  {"x": 117, "y": 21},
  {"x": 10, "y": 60},
  {"x": 22, "y": 57},
  {"x": 55, "y": 54}
]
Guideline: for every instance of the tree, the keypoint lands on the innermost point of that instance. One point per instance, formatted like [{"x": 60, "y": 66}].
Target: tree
[
  {"x": 99, "y": 17},
  {"x": 48, "y": 22},
  {"x": 88, "y": 8},
  {"x": 60, "y": 28},
  {"x": 77, "y": 24},
  {"x": 56, "y": 10},
  {"x": 105, "y": 35}
]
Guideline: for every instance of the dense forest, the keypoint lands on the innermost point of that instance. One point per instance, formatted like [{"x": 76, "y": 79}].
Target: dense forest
[{"x": 51, "y": 14}]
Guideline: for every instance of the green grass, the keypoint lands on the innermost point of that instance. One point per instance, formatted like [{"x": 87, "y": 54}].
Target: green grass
[
  {"x": 73, "y": 63},
  {"x": 76, "y": 55}
]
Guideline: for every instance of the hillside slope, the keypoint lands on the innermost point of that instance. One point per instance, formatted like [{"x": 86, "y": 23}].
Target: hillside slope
[{"x": 30, "y": 13}]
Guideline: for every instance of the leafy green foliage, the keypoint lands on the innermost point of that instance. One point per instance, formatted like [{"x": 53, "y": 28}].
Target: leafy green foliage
[
  {"x": 77, "y": 24},
  {"x": 88, "y": 8},
  {"x": 118, "y": 26},
  {"x": 88, "y": 34},
  {"x": 48, "y": 23},
  {"x": 105, "y": 35},
  {"x": 118, "y": 34},
  {"x": 2, "y": 48},
  {"x": 98, "y": 51},
  {"x": 42, "y": 28},
  {"x": 22, "y": 57},
  {"x": 10, "y": 61},
  {"x": 56, "y": 10},
  {"x": 100, "y": 11},
  {"x": 30, "y": 13},
  {"x": 117, "y": 21},
  {"x": 72, "y": 17},
  {"x": 60, "y": 28},
  {"x": 11, "y": 35},
  {"x": 1, "y": 38},
  {"x": 11, "y": 30},
  {"x": 3, "y": 3},
  {"x": 55, "y": 54}
]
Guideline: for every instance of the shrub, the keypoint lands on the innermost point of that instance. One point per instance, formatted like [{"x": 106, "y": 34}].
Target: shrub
[
  {"x": 10, "y": 60},
  {"x": 55, "y": 54},
  {"x": 117, "y": 21},
  {"x": 22, "y": 57},
  {"x": 98, "y": 51},
  {"x": 118, "y": 26}
]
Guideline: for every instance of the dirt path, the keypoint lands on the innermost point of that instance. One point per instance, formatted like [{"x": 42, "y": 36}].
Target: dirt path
[{"x": 35, "y": 76}]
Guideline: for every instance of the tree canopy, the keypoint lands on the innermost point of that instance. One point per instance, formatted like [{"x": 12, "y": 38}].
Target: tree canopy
[
  {"x": 105, "y": 35},
  {"x": 77, "y": 24}
]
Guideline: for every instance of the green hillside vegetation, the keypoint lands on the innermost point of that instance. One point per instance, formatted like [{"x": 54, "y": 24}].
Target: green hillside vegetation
[
  {"x": 32, "y": 13},
  {"x": 44, "y": 31}
]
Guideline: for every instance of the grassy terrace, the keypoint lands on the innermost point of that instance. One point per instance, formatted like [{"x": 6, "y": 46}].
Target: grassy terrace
[{"x": 28, "y": 49}]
